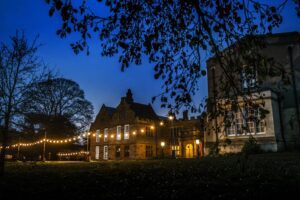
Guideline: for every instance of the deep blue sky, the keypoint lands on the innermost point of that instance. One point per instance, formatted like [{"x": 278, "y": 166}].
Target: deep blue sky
[{"x": 100, "y": 77}]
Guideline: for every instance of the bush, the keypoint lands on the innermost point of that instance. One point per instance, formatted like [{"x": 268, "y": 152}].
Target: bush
[
  {"x": 251, "y": 147},
  {"x": 213, "y": 150}
]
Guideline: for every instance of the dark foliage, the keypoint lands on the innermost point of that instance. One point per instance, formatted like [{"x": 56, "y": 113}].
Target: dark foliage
[
  {"x": 60, "y": 105},
  {"x": 251, "y": 147},
  {"x": 20, "y": 67},
  {"x": 177, "y": 36}
]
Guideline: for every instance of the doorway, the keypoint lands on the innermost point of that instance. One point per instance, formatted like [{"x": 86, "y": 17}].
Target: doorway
[{"x": 189, "y": 151}]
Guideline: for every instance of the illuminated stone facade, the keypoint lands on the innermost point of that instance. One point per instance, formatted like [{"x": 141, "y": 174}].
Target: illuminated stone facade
[
  {"x": 134, "y": 131},
  {"x": 279, "y": 129}
]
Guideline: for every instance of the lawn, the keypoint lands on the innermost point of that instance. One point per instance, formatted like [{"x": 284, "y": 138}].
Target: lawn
[{"x": 227, "y": 177}]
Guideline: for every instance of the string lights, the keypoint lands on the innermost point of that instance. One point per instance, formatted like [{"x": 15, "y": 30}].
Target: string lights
[
  {"x": 68, "y": 140},
  {"x": 73, "y": 153},
  {"x": 52, "y": 141}
]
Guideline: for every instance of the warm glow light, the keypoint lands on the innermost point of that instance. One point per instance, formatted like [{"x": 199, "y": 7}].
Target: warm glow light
[
  {"x": 94, "y": 134},
  {"x": 161, "y": 123},
  {"x": 142, "y": 130},
  {"x": 197, "y": 141},
  {"x": 152, "y": 127},
  {"x": 162, "y": 144},
  {"x": 112, "y": 136},
  {"x": 133, "y": 132},
  {"x": 171, "y": 117},
  {"x": 45, "y": 140}
]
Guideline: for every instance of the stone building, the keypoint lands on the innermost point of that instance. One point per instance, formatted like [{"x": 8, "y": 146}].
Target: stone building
[
  {"x": 134, "y": 131},
  {"x": 279, "y": 129},
  {"x": 189, "y": 133}
]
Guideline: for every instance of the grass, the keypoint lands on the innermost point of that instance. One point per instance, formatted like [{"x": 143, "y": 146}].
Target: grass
[{"x": 227, "y": 177}]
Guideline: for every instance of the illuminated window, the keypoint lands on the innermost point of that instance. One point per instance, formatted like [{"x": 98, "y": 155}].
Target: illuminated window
[
  {"x": 176, "y": 149},
  {"x": 106, "y": 135},
  {"x": 245, "y": 122},
  {"x": 97, "y": 135},
  {"x": 126, "y": 132},
  {"x": 97, "y": 152},
  {"x": 119, "y": 132}
]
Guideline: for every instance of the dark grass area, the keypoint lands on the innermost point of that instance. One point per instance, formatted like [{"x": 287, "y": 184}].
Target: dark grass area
[{"x": 227, "y": 177}]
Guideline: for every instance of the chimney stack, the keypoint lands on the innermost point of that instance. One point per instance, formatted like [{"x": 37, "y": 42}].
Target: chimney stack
[
  {"x": 129, "y": 98},
  {"x": 185, "y": 115}
]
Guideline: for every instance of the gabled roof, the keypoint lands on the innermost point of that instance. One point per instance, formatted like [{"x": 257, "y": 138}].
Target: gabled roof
[
  {"x": 143, "y": 111},
  {"x": 110, "y": 110}
]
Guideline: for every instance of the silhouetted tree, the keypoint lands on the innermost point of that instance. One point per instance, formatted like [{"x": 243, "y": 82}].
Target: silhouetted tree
[
  {"x": 20, "y": 67},
  {"x": 178, "y": 36},
  {"x": 57, "y": 127},
  {"x": 175, "y": 35},
  {"x": 60, "y": 105}
]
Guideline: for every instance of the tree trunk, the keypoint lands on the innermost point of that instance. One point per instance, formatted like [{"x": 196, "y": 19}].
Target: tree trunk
[{"x": 4, "y": 133}]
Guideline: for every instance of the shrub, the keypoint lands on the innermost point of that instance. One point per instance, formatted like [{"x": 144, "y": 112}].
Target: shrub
[
  {"x": 251, "y": 147},
  {"x": 214, "y": 151}
]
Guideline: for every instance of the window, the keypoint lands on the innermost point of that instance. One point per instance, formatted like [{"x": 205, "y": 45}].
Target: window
[
  {"x": 176, "y": 149},
  {"x": 251, "y": 115},
  {"x": 149, "y": 132},
  {"x": 234, "y": 123},
  {"x": 97, "y": 135},
  {"x": 105, "y": 152},
  {"x": 229, "y": 124},
  {"x": 257, "y": 122},
  {"x": 126, "y": 132},
  {"x": 126, "y": 151},
  {"x": 149, "y": 151},
  {"x": 239, "y": 121},
  {"x": 118, "y": 151},
  {"x": 249, "y": 77},
  {"x": 106, "y": 135},
  {"x": 247, "y": 121},
  {"x": 119, "y": 132},
  {"x": 97, "y": 151}
]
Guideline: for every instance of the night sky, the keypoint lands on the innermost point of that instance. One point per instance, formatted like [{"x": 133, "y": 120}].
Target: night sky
[{"x": 100, "y": 77}]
